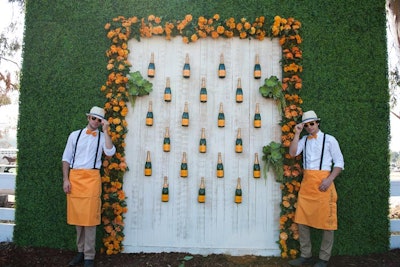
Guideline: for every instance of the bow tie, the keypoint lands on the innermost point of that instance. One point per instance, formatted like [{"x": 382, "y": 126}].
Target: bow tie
[
  {"x": 88, "y": 131},
  {"x": 312, "y": 136}
]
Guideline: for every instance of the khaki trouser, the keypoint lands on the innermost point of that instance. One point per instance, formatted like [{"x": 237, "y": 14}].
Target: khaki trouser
[
  {"x": 305, "y": 243},
  {"x": 86, "y": 241}
]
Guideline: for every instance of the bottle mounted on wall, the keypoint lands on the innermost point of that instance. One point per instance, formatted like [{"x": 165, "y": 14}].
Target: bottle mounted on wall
[
  {"x": 221, "y": 67},
  {"x": 238, "y": 192},
  {"x": 221, "y": 116},
  {"x": 167, "y": 141},
  {"x": 147, "y": 165},
  {"x": 256, "y": 167},
  {"x": 151, "y": 70},
  {"x": 167, "y": 91},
  {"x": 185, "y": 115},
  {"x": 186, "y": 68},
  {"x": 165, "y": 190},
  {"x": 257, "y": 68},
  {"x": 203, "y": 91},
  {"x": 239, "y": 142},
  {"x": 149, "y": 116},
  {"x": 202, "y": 191},
  {"x": 257, "y": 117},
  {"x": 220, "y": 166},
  {"x": 239, "y": 91},
  {"x": 203, "y": 142},
  {"x": 184, "y": 166}
]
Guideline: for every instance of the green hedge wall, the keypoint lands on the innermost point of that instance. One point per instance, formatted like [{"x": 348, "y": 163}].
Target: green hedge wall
[{"x": 345, "y": 82}]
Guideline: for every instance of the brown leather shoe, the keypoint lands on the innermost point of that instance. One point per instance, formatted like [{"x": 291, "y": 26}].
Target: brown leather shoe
[{"x": 77, "y": 259}]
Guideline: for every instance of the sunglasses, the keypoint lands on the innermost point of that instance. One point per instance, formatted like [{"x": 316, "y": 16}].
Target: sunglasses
[
  {"x": 309, "y": 123},
  {"x": 94, "y": 118}
]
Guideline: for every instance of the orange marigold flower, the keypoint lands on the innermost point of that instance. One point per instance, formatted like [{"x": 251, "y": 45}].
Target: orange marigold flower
[
  {"x": 214, "y": 34},
  {"x": 243, "y": 35},
  {"x": 216, "y": 17},
  {"x": 151, "y": 18},
  {"x": 220, "y": 29},
  {"x": 194, "y": 37}
]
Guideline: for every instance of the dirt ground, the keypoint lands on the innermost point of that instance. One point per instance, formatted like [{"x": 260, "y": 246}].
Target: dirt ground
[{"x": 14, "y": 256}]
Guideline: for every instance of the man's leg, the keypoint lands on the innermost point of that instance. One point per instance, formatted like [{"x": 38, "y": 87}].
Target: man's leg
[
  {"x": 326, "y": 245},
  {"x": 305, "y": 241},
  {"x": 90, "y": 242}
]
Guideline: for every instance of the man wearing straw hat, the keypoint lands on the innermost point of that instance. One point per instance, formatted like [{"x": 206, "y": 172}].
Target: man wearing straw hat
[
  {"x": 316, "y": 203},
  {"x": 81, "y": 163}
]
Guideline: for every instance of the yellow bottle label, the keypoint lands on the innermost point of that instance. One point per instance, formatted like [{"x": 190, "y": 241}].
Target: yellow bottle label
[
  {"x": 201, "y": 198},
  {"x": 185, "y": 122},
  {"x": 164, "y": 198},
  {"x": 256, "y": 174},
  {"x": 202, "y": 149},
  {"x": 238, "y": 149},
  {"x": 166, "y": 147},
  {"x": 167, "y": 97},
  {"x": 239, "y": 98},
  {"x": 238, "y": 199},
  {"x": 149, "y": 121},
  {"x": 257, "y": 73},
  {"x": 150, "y": 72},
  {"x": 184, "y": 173},
  {"x": 221, "y": 73},
  {"x": 221, "y": 123},
  {"x": 203, "y": 98},
  {"x": 220, "y": 173},
  {"x": 257, "y": 123},
  {"x": 186, "y": 73},
  {"x": 147, "y": 172}
]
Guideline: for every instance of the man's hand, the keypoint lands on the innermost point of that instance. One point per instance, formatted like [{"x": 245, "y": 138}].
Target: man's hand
[{"x": 67, "y": 186}]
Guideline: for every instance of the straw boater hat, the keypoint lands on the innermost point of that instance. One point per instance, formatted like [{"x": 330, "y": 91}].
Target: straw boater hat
[
  {"x": 309, "y": 116},
  {"x": 96, "y": 112}
]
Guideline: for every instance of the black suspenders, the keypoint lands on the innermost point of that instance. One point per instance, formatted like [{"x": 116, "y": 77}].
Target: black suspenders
[
  {"x": 322, "y": 152},
  {"x": 97, "y": 150}
]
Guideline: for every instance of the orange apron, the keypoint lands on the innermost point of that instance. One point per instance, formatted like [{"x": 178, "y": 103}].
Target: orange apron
[
  {"x": 84, "y": 203},
  {"x": 315, "y": 208}
]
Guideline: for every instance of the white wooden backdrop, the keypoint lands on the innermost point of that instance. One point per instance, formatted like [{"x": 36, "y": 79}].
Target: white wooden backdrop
[{"x": 182, "y": 224}]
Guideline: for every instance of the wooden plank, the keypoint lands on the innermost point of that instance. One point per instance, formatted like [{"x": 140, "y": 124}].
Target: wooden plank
[
  {"x": 7, "y": 214},
  {"x": 7, "y": 181},
  {"x": 6, "y": 232},
  {"x": 395, "y": 188}
]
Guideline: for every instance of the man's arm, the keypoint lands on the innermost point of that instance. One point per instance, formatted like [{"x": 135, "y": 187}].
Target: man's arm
[
  {"x": 293, "y": 145},
  {"x": 66, "y": 183}
]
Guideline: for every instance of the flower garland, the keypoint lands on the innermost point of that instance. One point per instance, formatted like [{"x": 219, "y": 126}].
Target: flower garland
[{"x": 122, "y": 29}]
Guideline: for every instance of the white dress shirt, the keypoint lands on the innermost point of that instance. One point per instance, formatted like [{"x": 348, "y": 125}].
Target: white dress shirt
[
  {"x": 332, "y": 153},
  {"x": 86, "y": 150}
]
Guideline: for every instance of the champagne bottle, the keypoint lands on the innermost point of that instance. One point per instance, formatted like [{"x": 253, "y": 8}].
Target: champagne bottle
[
  {"x": 203, "y": 91},
  {"x": 167, "y": 91},
  {"x": 186, "y": 68},
  {"x": 220, "y": 166},
  {"x": 239, "y": 142},
  {"x": 238, "y": 192},
  {"x": 257, "y": 68},
  {"x": 221, "y": 67},
  {"x": 257, "y": 117},
  {"x": 256, "y": 167},
  {"x": 151, "y": 70},
  {"x": 185, "y": 116},
  {"x": 221, "y": 116},
  {"x": 239, "y": 92},
  {"x": 184, "y": 166},
  {"x": 202, "y": 192},
  {"x": 149, "y": 116},
  {"x": 167, "y": 141},
  {"x": 165, "y": 190},
  {"x": 147, "y": 165},
  {"x": 203, "y": 142}
]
